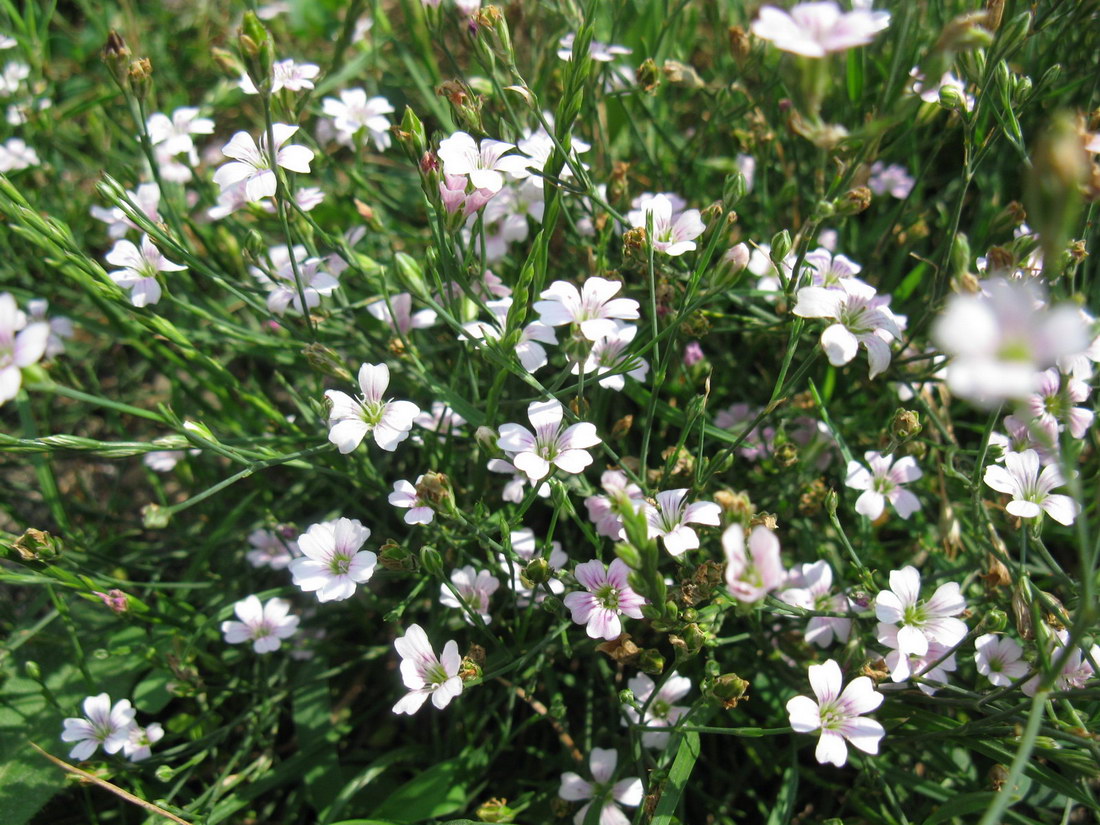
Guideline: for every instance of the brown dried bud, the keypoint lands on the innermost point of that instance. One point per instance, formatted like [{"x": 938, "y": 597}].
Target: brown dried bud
[
  {"x": 769, "y": 520},
  {"x": 786, "y": 454},
  {"x": 740, "y": 45},
  {"x": 999, "y": 260},
  {"x": 681, "y": 74},
  {"x": 727, "y": 690},
  {"x": 621, "y": 427},
  {"x": 36, "y": 545},
  {"x": 140, "y": 76},
  {"x": 622, "y": 649},
  {"x": 876, "y": 671},
  {"x": 634, "y": 243},
  {"x": 905, "y": 424},
  {"x": 647, "y": 75},
  {"x": 996, "y": 574},
  {"x": 812, "y": 500},
  {"x": 737, "y": 505},
  {"x": 117, "y": 57}
]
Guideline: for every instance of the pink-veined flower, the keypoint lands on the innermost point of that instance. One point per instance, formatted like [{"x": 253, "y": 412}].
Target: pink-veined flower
[
  {"x": 809, "y": 586},
  {"x": 594, "y": 309},
  {"x": 426, "y": 674},
  {"x": 282, "y": 286},
  {"x": 402, "y": 319},
  {"x": 550, "y": 445},
  {"x": 920, "y": 622},
  {"x": 351, "y": 419},
  {"x": 285, "y": 74},
  {"x": 1030, "y": 489},
  {"x": 354, "y": 111},
  {"x": 611, "y": 360},
  {"x": 603, "y": 511},
  {"x": 670, "y": 518},
  {"x": 270, "y": 550},
  {"x": 933, "y": 665},
  {"x": 102, "y": 724},
  {"x": 265, "y": 625},
  {"x": 1076, "y": 669},
  {"x": 753, "y": 569},
  {"x": 474, "y": 587},
  {"x": 818, "y": 28},
  {"x": 837, "y": 714},
  {"x": 21, "y": 345},
  {"x": 332, "y": 563},
  {"x": 999, "y": 659},
  {"x": 251, "y": 163},
  {"x": 139, "y": 744},
  {"x": 139, "y": 268},
  {"x": 608, "y": 595},
  {"x": 1051, "y": 406},
  {"x": 674, "y": 231},
  {"x": 405, "y": 496},
  {"x": 601, "y": 790},
  {"x": 662, "y": 712},
  {"x": 483, "y": 164},
  {"x": 883, "y": 483},
  {"x": 859, "y": 316}
]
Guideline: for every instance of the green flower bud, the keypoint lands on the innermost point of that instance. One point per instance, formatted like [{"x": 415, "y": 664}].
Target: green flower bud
[
  {"x": 995, "y": 620},
  {"x": 37, "y": 545},
  {"x": 780, "y": 246},
  {"x": 431, "y": 561},
  {"x": 651, "y": 661},
  {"x": 327, "y": 362},
  {"x": 537, "y": 571},
  {"x": 905, "y": 424},
  {"x": 155, "y": 517},
  {"x": 726, "y": 690},
  {"x": 495, "y": 810}
]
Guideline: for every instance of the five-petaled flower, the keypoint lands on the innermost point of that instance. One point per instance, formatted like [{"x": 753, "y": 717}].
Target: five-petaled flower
[
  {"x": 920, "y": 622},
  {"x": 883, "y": 483},
  {"x": 1031, "y": 489},
  {"x": 859, "y": 316},
  {"x": 670, "y": 518},
  {"x": 426, "y": 674},
  {"x": 21, "y": 345},
  {"x": 818, "y": 28},
  {"x": 550, "y": 445},
  {"x": 405, "y": 495},
  {"x": 754, "y": 570},
  {"x": 332, "y": 563},
  {"x": 594, "y": 308},
  {"x": 252, "y": 164},
  {"x": 103, "y": 724},
  {"x": 473, "y": 588},
  {"x": 837, "y": 714},
  {"x": 601, "y": 790},
  {"x": 139, "y": 269},
  {"x": 674, "y": 231},
  {"x": 999, "y": 659},
  {"x": 351, "y": 419},
  {"x": 660, "y": 712},
  {"x": 265, "y": 625},
  {"x": 608, "y": 595},
  {"x": 483, "y": 164}
]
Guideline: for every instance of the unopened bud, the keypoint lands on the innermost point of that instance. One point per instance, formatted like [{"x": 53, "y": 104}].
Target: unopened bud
[
  {"x": 905, "y": 424},
  {"x": 495, "y": 810},
  {"x": 140, "y": 75},
  {"x": 1060, "y": 170},
  {"x": 464, "y": 102},
  {"x": 327, "y": 362},
  {"x": 740, "y": 45},
  {"x": 647, "y": 75},
  {"x": 469, "y": 670},
  {"x": 118, "y": 601},
  {"x": 155, "y": 517},
  {"x": 737, "y": 505},
  {"x": 995, "y": 619},
  {"x": 396, "y": 558},
  {"x": 227, "y": 62},
  {"x": 33, "y": 670},
  {"x": 117, "y": 57},
  {"x": 831, "y": 502},
  {"x": 257, "y": 50},
  {"x": 738, "y": 256},
  {"x": 780, "y": 247},
  {"x": 537, "y": 571},
  {"x": 1021, "y": 610},
  {"x": 628, "y": 554},
  {"x": 960, "y": 254},
  {"x": 734, "y": 189},
  {"x": 431, "y": 561},
  {"x": 786, "y": 454},
  {"x": 435, "y": 488},
  {"x": 853, "y": 201},
  {"x": 727, "y": 690},
  {"x": 681, "y": 74},
  {"x": 621, "y": 427},
  {"x": 37, "y": 545},
  {"x": 952, "y": 98},
  {"x": 651, "y": 661}
]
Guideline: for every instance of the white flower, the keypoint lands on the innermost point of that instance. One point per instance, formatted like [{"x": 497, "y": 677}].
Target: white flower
[
  {"x": 474, "y": 589},
  {"x": 103, "y": 725},
  {"x": 999, "y": 659},
  {"x": 402, "y": 319},
  {"x": 15, "y": 154},
  {"x": 809, "y": 587},
  {"x": 754, "y": 570},
  {"x": 621, "y": 494},
  {"x": 860, "y": 316},
  {"x": 883, "y": 483},
  {"x": 352, "y": 418},
  {"x": 608, "y": 595},
  {"x": 894, "y": 179},
  {"x": 354, "y": 111},
  {"x": 1031, "y": 489},
  {"x": 60, "y": 326},
  {"x": 674, "y": 231},
  {"x": 484, "y": 164},
  {"x": 529, "y": 349},
  {"x": 550, "y": 445},
  {"x": 404, "y": 495},
  {"x": 600, "y": 52},
  {"x": 593, "y": 308},
  {"x": 270, "y": 550},
  {"x": 670, "y": 518},
  {"x": 819, "y": 28},
  {"x": 610, "y": 355},
  {"x": 282, "y": 286},
  {"x": 332, "y": 563},
  {"x": 626, "y": 792},
  {"x": 147, "y": 199},
  {"x": 930, "y": 92},
  {"x": 12, "y": 76},
  {"x": 252, "y": 164},
  {"x": 920, "y": 622},
  {"x": 1051, "y": 406},
  {"x": 426, "y": 674},
  {"x": 513, "y": 490},
  {"x": 1001, "y": 338},
  {"x": 265, "y": 625},
  {"x": 21, "y": 345},
  {"x": 139, "y": 269},
  {"x": 173, "y": 134},
  {"x": 661, "y": 712},
  {"x": 139, "y": 744},
  {"x": 830, "y": 270},
  {"x": 1076, "y": 670},
  {"x": 285, "y": 74},
  {"x": 839, "y": 715},
  {"x": 903, "y": 666}
]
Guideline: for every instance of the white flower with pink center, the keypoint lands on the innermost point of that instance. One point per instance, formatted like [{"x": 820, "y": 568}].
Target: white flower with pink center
[
  {"x": 670, "y": 518},
  {"x": 919, "y": 622},
  {"x": 1030, "y": 489},
  {"x": 474, "y": 587},
  {"x": 251, "y": 163},
  {"x": 753, "y": 568},
  {"x": 21, "y": 345},
  {"x": 426, "y": 674},
  {"x": 551, "y": 444},
  {"x": 1051, "y": 406},
  {"x": 282, "y": 285},
  {"x": 602, "y": 790},
  {"x": 999, "y": 659},
  {"x": 529, "y": 349},
  {"x": 829, "y": 270},
  {"x": 608, "y": 596},
  {"x": 139, "y": 269},
  {"x": 860, "y": 317},
  {"x": 837, "y": 713},
  {"x": 610, "y": 358},
  {"x": 402, "y": 319},
  {"x": 405, "y": 496},
  {"x": 285, "y": 74},
  {"x": 818, "y": 28},
  {"x": 661, "y": 712},
  {"x": 483, "y": 164},
  {"x": 594, "y": 308},
  {"x": 883, "y": 484},
  {"x": 351, "y": 419},
  {"x": 103, "y": 724},
  {"x": 810, "y": 587},
  {"x": 332, "y": 565},
  {"x": 265, "y": 625},
  {"x": 674, "y": 231},
  {"x": 933, "y": 665}
]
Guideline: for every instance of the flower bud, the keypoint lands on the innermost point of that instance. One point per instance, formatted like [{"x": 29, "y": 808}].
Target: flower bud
[
  {"x": 621, "y": 427},
  {"x": 396, "y": 558},
  {"x": 626, "y": 697},
  {"x": 780, "y": 247},
  {"x": 140, "y": 75},
  {"x": 155, "y": 517},
  {"x": 651, "y": 661},
  {"x": 681, "y": 74},
  {"x": 435, "y": 488},
  {"x": 37, "y": 545},
  {"x": 737, "y": 506},
  {"x": 33, "y": 670},
  {"x": 1059, "y": 171},
  {"x": 647, "y": 76},
  {"x": 786, "y": 454},
  {"x": 831, "y": 502},
  {"x": 727, "y": 690},
  {"x": 327, "y": 362},
  {"x": 960, "y": 254},
  {"x": 227, "y": 62},
  {"x": 738, "y": 256},
  {"x": 495, "y": 810},
  {"x": 117, "y": 57},
  {"x": 257, "y": 50},
  {"x": 114, "y": 599},
  {"x": 995, "y": 620},
  {"x": 1021, "y": 610},
  {"x": 905, "y": 424},
  {"x": 734, "y": 189},
  {"x": 464, "y": 102},
  {"x": 486, "y": 438},
  {"x": 469, "y": 670},
  {"x": 853, "y": 201},
  {"x": 537, "y": 571},
  {"x": 952, "y": 98},
  {"x": 431, "y": 561}
]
